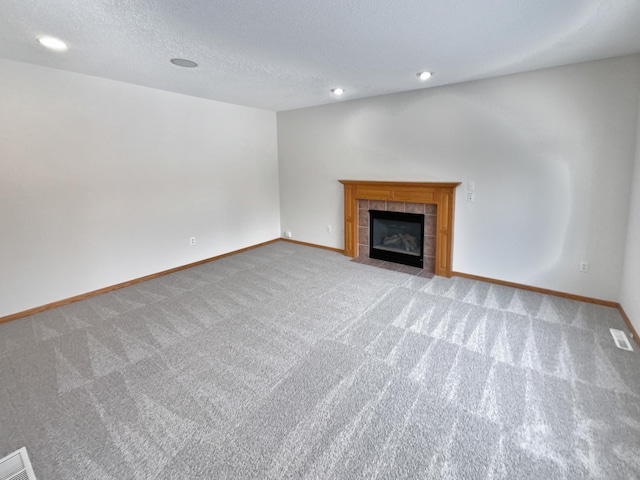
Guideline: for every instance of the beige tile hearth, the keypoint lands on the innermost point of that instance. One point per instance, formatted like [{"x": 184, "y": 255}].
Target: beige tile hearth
[{"x": 396, "y": 267}]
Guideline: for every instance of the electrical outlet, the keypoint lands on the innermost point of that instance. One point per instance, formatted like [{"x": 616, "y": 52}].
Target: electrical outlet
[
  {"x": 329, "y": 228},
  {"x": 471, "y": 197},
  {"x": 287, "y": 234},
  {"x": 192, "y": 241},
  {"x": 584, "y": 267}
]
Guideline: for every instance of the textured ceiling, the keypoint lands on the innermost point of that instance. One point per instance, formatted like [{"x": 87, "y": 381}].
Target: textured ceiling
[{"x": 285, "y": 54}]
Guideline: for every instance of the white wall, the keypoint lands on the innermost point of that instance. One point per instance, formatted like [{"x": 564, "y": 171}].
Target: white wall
[
  {"x": 550, "y": 151},
  {"x": 102, "y": 182},
  {"x": 630, "y": 291}
]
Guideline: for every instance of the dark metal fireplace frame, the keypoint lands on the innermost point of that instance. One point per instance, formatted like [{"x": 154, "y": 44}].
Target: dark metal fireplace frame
[{"x": 391, "y": 256}]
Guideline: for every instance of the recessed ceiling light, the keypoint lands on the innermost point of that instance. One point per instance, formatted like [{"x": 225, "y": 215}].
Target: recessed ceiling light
[
  {"x": 337, "y": 91},
  {"x": 424, "y": 75},
  {"x": 53, "y": 43},
  {"x": 181, "y": 62}
]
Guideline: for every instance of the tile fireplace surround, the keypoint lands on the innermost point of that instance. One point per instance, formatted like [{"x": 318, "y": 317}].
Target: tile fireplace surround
[
  {"x": 435, "y": 200},
  {"x": 429, "y": 212}
]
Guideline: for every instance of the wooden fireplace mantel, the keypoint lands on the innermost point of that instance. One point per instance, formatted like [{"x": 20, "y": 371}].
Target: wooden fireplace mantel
[{"x": 440, "y": 194}]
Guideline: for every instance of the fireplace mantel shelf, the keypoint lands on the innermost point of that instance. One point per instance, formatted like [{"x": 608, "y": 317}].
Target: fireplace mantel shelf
[
  {"x": 383, "y": 183},
  {"x": 441, "y": 194}
]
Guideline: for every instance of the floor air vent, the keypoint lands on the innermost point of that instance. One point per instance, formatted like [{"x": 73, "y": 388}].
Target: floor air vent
[
  {"x": 621, "y": 339},
  {"x": 16, "y": 466}
]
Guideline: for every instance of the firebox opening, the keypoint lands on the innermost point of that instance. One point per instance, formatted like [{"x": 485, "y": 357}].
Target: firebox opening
[{"x": 397, "y": 237}]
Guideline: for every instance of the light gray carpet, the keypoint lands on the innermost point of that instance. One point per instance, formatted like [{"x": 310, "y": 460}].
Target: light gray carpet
[{"x": 293, "y": 362}]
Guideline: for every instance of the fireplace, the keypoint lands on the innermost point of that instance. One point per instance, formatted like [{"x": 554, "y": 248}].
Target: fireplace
[
  {"x": 435, "y": 199},
  {"x": 397, "y": 237}
]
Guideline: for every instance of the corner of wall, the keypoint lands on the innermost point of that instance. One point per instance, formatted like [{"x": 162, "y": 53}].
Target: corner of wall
[{"x": 630, "y": 281}]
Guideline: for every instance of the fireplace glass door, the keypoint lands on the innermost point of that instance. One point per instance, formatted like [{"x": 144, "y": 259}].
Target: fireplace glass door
[{"x": 396, "y": 237}]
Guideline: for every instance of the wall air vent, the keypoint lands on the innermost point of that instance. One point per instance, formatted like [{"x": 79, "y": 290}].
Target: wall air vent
[
  {"x": 16, "y": 466},
  {"x": 621, "y": 339}
]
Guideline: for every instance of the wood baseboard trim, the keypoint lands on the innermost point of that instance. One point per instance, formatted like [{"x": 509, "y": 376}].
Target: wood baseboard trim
[
  {"x": 331, "y": 249},
  {"x": 605, "y": 303},
  {"x": 83, "y": 296},
  {"x": 555, "y": 293},
  {"x": 627, "y": 320},
  {"x": 77, "y": 298}
]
